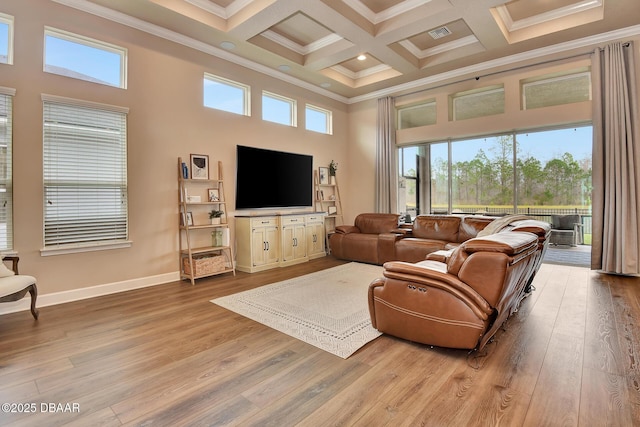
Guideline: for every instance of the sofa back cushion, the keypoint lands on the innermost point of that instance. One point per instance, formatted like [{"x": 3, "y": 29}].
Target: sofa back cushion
[
  {"x": 376, "y": 223},
  {"x": 437, "y": 227},
  {"x": 471, "y": 225}
]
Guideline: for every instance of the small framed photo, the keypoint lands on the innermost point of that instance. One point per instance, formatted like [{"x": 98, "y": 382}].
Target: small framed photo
[
  {"x": 214, "y": 195},
  {"x": 199, "y": 166},
  {"x": 188, "y": 219},
  {"x": 324, "y": 175},
  {"x": 332, "y": 210}
]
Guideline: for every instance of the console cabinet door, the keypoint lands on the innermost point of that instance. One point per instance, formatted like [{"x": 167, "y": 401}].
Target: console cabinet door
[
  {"x": 293, "y": 242},
  {"x": 264, "y": 242},
  {"x": 315, "y": 239}
]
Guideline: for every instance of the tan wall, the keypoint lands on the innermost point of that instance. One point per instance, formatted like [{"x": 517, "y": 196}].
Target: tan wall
[{"x": 166, "y": 120}]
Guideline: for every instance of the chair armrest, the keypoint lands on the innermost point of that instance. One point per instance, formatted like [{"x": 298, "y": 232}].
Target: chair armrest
[
  {"x": 346, "y": 229},
  {"x": 14, "y": 260},
  {"x": 440, "y": 256}
]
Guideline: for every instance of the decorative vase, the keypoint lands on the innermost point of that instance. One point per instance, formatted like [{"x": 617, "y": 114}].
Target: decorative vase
[
  {"x": 215, "y": 221},
  {"x": 332, "y": 180}
]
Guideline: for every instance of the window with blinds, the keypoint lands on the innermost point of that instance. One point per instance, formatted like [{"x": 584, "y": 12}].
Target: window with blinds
[
  {"x": 6, "y": 193},
  {"x": 85, "y": 174}
]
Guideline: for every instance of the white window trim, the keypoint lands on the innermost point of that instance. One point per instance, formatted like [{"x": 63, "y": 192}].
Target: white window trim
[
  {"x": 9, "y": 20},
  {"x": 293, "y": 119},
  {"x": 329, "y": 118},
  {"x": 246, "y": 91},
  {"x": 91, "y": 246},
  {"x": 87, "y": 41}
]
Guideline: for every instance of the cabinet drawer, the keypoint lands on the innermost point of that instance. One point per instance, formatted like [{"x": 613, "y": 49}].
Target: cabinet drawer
[
  {"x": 292, "y": 220},
  {"x": 314, "y": 218},
  {"x": 264, "y": 222}
]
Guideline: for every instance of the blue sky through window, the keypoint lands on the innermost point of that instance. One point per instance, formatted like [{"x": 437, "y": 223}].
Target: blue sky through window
[
  {"x": 223, "y": 97},
  {"x": 4, "y": 42},
  {"x": 276, "y": 110},
  {"x": 82, "y": 61},
  {"x": 316, "y": 120}
]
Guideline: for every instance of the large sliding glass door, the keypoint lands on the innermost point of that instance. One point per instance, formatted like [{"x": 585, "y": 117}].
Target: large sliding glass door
[{"x": 540, "y": 173}]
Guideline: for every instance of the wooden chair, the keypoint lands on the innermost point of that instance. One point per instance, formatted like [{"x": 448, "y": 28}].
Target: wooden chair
[{"x": 14, "y": 286}]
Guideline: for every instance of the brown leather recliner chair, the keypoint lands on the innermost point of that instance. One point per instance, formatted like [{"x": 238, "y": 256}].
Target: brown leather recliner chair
[
  {"x": 371, "y": 239},
  {"x": 457, "y": 302}
]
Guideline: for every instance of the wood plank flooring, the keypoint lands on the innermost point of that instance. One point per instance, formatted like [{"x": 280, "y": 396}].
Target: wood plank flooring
[{"x": 166, "y": 356}]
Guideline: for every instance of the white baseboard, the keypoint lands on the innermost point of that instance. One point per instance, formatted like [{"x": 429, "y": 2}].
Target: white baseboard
[{"x": 90, "y": 292}]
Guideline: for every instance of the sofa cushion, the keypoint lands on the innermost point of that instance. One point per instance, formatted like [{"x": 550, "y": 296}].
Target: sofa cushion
[
  {"x": 411, "y": 249},
  {"x": 436, "y": 227},
  {"x": 471, "y": 225},
  {"x": 376, "y": 223}
]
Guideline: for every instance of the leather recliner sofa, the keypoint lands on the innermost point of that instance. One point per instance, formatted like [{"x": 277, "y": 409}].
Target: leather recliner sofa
[
  {"x": 371, "y": 239},
  {"x": 460, "y": 298}
]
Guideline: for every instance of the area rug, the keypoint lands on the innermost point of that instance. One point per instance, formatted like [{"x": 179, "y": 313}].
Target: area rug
[{"x": 327, "y": 309}]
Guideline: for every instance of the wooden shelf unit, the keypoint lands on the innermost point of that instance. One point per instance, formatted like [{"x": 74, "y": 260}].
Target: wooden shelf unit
[
  {"x": 192, "y": 250},
  {"x": 327, "y": 198}
]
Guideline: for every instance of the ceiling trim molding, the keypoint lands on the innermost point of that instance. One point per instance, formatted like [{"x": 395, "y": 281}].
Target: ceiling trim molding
[
  {"x": 551, "y": 15},
  {"x": 587, "y": 42},
  {"x": 155, "y": 30},
  {"x": 302, "y": 50},
  {"x": 376, "y": 18},
  {"x": 360, "y": 74},
  {"x": 445, "y": 47},
  {"x": 224, "y": 13}
]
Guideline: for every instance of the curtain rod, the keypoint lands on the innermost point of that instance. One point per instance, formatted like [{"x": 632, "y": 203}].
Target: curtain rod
[{"x": 503, "y": 71}]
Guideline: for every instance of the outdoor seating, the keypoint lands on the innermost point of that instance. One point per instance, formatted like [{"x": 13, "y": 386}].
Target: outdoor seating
[{"x": 566, "y": 230}]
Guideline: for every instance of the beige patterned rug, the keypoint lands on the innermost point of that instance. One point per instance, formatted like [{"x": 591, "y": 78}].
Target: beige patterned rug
[{"x": 327, "y": 309}]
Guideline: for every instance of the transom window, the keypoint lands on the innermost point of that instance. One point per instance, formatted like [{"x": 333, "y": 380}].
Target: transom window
[
  {"x": 278, "y": 109},
  {"x": 318, "y": 119},
  {"x": 226, "y": 95},
  {"x": 6, "y": 39},
  {"x": 477, "y": 103},
  {"x": 85, "y": 175},
  {"x": 82, "y": 58}
]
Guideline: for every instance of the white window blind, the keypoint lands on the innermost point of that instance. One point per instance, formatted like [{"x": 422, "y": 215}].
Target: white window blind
[
  {"x": 6, "y": 187},
  {"x": 85, "y": 175}
]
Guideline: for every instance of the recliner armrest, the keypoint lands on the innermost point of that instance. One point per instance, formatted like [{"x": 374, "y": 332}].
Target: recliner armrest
[{"x": 346, "y": 229}]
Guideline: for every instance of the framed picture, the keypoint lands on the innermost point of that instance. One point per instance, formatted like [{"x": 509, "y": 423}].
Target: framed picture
[
  {"x": 332, "y": 210},
  {"x": 199, "y": 166},
  {"x": 189, "y": 218},
  {"x": 324, "y": 175},
  {"x": 214, "y": 195}
]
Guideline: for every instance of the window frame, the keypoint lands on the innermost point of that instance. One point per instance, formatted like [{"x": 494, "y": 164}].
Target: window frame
[
  {"x": 328, "y": 119},
  {"x": 246, "y": 93},
  {"x": 87, "y": 42},
  {"x": 293, "y": 114},
  {"x": 94, "y": 245},
  {"x": 9, "y": 20},
  {"x": 456, "y": 97},
  {"x": 553, "y": 79},
  {"x": 8, "y": 94}
]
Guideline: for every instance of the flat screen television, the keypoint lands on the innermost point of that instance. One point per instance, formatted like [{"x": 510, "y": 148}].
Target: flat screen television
[{"x": 272, "y": 179}]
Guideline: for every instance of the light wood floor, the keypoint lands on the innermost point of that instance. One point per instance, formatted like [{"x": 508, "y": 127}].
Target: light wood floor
[{"x": 167, "y": 356}]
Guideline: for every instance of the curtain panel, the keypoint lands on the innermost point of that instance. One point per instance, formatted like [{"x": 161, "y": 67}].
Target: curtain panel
[
  {"x": 616, "y": 162},
  {"x": 386, "y": 176}
]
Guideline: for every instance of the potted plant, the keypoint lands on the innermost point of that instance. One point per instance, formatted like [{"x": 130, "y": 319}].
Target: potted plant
[
  {"x": 214, "y": 216},
  {"x": 333, "y": 168}
]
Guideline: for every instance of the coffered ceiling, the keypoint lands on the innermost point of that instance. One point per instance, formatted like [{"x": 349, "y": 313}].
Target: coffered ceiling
[{"x": 402, "y": 43}]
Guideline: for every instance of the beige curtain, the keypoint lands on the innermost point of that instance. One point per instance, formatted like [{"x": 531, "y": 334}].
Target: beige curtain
[
  {"x": 386, "y": 177},
  {"x": 616, "y": 162}
]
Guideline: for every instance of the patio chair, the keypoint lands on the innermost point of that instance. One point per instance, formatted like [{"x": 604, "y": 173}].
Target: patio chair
[{"x": 566, "y": 230}]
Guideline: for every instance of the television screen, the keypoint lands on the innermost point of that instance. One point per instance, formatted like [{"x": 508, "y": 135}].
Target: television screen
[{"x": 273, "y": 179}]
